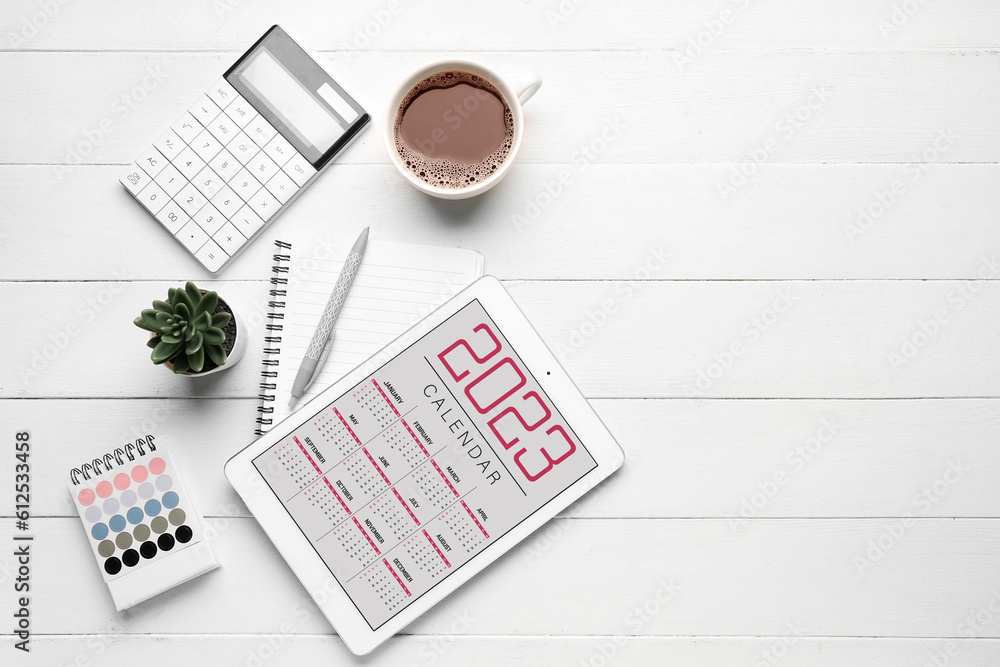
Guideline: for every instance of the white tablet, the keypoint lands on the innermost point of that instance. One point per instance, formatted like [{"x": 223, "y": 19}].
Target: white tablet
[{"x": 421, "y": 467}]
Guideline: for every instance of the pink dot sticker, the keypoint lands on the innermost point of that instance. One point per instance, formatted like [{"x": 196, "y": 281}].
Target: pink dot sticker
[
  {"x": 104, "y": 489},
  {"x": 86, "y": 497},
  {"x": 122, "y": 481},
  {"x": 139, "y": 473},
  {"x": 157, "y": 465}
]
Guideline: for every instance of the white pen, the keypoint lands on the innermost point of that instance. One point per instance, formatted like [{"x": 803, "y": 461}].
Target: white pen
[{"x": 323, "y": 336}]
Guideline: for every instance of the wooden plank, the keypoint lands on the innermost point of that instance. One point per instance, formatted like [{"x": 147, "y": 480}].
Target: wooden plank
[
  {"x": 791, "y": 221},
  {"x": 736, "y": 107},
  {"x": 694, "y": 577},
  {"x": 401, "y": 25},
  {"x": 460, "y": 651},
  {"x": 731, "y": 459},
  {"x": 792, "y": 339}
]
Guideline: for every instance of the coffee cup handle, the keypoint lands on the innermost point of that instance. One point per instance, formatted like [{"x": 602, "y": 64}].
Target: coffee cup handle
[{"x": 526, "y": 85}]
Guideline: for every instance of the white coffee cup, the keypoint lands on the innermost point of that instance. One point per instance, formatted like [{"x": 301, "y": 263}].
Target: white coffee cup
[{"x": 518, "y": 91}]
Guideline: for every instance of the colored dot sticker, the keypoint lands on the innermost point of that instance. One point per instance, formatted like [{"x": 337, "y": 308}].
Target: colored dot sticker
[
  {"x": 134, "y": 515},
  {"x": 141, "y": 532},
  {"x": 127, "y": 498},
  {"x": 184, "y": 534},
  {"x": 86, "y": 497},
  {"x": 170, "y": 500},
  {"x": 148, "y": 550},
  {"x": 112, "y": 566},
  {"x": 124, "y": 540},
  {"x": 165, "y": 542},
  {"x": 104, "y": 489},
  {"x": 93, "y": 513},
  {"x": 110, "y": 506},
  {"x": 145, "y": 490},
  {"x": 157, "y": 466},
  {"x": 152, "y": 507},
  {"x": 164, "y": 482},
  {"x": 106, "y": 548},
  {"x": 99, "y": 531},
  {"x": 159, "y": 525},
  {"x": 130, "y": 557},
  {"x": 176, "y": 516},
  {"x": 117, "y": 523},
  {"x": 122, "y": 481},
  {"x": 139, "y": 473}
]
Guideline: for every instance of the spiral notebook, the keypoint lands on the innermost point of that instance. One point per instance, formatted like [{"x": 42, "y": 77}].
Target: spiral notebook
[
  {"x": 397, "y": 285},
  {"x": 140, "y": 522}
]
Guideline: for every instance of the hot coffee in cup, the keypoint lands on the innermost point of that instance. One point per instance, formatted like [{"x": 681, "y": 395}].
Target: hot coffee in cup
[{"x": 453, "y": 128}]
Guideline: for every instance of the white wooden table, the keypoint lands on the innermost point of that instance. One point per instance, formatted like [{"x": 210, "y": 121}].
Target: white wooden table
[{"x": 771, "y": 264}]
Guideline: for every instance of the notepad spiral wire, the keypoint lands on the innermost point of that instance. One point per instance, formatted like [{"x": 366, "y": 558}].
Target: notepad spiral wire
[
  {"x": 272, "y": 336},
  {"x": 108, "y": 461}
]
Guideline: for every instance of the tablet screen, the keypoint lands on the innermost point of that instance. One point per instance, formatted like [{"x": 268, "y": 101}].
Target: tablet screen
[{"x": 424, "y": 464}]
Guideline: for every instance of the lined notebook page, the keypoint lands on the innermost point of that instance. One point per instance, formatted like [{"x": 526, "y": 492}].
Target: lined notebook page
[{"x": 396, "y": 286}]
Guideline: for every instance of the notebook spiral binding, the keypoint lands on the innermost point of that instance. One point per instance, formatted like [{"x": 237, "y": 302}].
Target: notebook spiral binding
[
  {"x": 272, "y": 338},
  {"x": 108, "y": 461}
]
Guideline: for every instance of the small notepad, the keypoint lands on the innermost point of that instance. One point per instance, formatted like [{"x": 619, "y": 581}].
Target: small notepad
[
  {"x": 397, "y": 285},
  {"x": 140, "y": 521}
]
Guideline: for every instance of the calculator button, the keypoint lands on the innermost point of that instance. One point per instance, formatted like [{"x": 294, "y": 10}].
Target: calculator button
[
  {"x": 206, "y": 146},
  {"x": 190, "y": 199},
  {"x": 170, "y": 180},
  {"x": 247, "y": 221},
  {"x": 242, "y": 148},
  {"x": 209, "y": 219},
  {"x": 134, "y": 179},
  {"x": 189, "y": 163},
  {"x": 151, "y": 161},
  {"x": 222, "y": 93},
  {"x": 192, "y": 236},
  {"x": 229, "y": 238},
  {"x": 282, "y": 187},
  {"x": 225, "y": 165},
  {"x": 169, "y": 144},
  {"x": 262, "y": 167},
  {"x": 153, "y": 198},
  {"x": 211, "y": 256},
  {"x": 223, "y": 128},
  {"x": 186, "y": 127},
  {"x": 245, "y": 185},
  {"x": 204, "y": 110},
  {"x": 264, "y": 204},
  {"x": 227, "y": 201},
  {"x": 208, "y": 183},
  {"x": 279, "y": 150},
  {"x": 260, "y": 131},
  {"x": 241, "y": 111},
  {"x": 172, "y": 217},
  {"x": 299, "y": 169}
]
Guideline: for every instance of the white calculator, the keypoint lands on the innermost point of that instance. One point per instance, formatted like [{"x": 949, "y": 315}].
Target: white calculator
[{"x": 245, "y": 149}]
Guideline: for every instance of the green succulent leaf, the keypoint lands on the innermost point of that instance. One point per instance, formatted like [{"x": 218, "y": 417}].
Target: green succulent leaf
[
  {"x": 171, "y": 338},
  {"x": 149, "y": 324},
  {"x": 163, "y": 307},
  {"x": 193, "y": 293},
  {"x": 181, "y": 311},
  {"x": 219, "y": 320},
  {"x": 162, "y": 319},
  {"x": 216, "y": 354},
  {"x": 189, "y": 332},
  {"x": 207, "y": 303},
  {"x": 202, "y": 321},
  {"x": 197, "y": 359},
  {"x": 164, "y": 350},
  {"x": 214, "y": 336},
  {"x": 153, "y": 341},
  {"x": 181, "y": 365},
  {"x": 182, "y": 297},
  {"x": 194, "y": 343}
]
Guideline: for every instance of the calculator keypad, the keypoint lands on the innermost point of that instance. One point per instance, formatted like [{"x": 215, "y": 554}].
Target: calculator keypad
[{"x": 217, "y": 175}]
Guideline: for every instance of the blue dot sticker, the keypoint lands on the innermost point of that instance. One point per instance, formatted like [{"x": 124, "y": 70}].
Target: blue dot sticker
[
  {"x": 170, "y": 500},
  {"x": 99, "y": 531},
  {"x": 152, "y": 507},
  {"x": 117, "y": 523},
  {"x": 134, "y": 515}
]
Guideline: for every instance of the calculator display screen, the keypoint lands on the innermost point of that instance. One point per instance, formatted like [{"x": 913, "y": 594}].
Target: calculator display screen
[
  {"x": 295, "y": 95},
  {"x": 424, "y": 464}
]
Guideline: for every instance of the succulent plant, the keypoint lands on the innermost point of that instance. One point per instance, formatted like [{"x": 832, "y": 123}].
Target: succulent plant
[{"x": 186, "y": 329}]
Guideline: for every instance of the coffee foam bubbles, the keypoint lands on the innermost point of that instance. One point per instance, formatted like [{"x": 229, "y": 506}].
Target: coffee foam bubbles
[{"x": 444, "y": 173}]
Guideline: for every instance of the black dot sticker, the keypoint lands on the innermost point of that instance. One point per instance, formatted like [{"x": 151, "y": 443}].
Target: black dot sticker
[
  {"x": 148, "y": 550},
  {"x": 184, "y": 534},
  {"x": 112, "y": 565},
  {"x": 165, "y": 541},
  {"x": 130, "y": 557}
]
